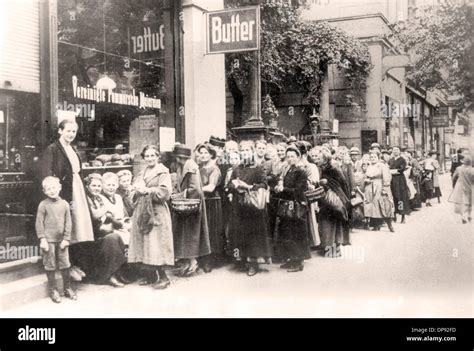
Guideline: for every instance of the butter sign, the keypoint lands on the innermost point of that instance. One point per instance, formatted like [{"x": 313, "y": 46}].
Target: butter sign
[{"x": 233, "y": 30}]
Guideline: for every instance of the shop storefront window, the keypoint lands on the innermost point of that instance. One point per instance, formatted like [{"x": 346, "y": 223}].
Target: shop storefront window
[
  {"x": 19, "y": 123},
  {"x": 116, "y": 75}
]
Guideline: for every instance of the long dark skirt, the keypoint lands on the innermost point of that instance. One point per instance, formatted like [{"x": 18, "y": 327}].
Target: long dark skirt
[
  {"x": 249, "y": 235},
  {"x": 293, "y": 240},
  {"x": 83, "y": 255},
  {"x": 416, "y": 201},
  {"x": 272, "y": 215},
  {"x": 401, "y": 198},
  {"x": 110, "y": 256},
  {"x": 215, "y": 224},
  {"x": 332, "y": 231},
  {"x": 190, "y": 238},
  {"x": 436, "y": 192},
  {"x": 426, "y": 189}
]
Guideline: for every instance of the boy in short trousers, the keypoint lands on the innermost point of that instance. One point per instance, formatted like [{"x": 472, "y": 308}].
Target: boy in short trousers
[{"x": 53, "y": 227}]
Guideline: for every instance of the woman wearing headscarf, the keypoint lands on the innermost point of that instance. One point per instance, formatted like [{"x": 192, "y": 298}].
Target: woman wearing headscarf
[
  {"x": 211, "y": 180},
  {"x": 251, "y": 243},
  {"x": 293, "y": 238},
  {"x": 151, "y": 240},
  {"x": 333, "y": 218},
  {"x": 191, "y": 231}
]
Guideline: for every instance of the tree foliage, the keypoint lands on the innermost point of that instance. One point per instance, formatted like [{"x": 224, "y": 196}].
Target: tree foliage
[
  {"x": 441, "y": 43},
  {"x": 295, "y": 54}
]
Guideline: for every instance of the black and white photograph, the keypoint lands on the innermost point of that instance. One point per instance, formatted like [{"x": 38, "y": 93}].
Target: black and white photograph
[{"x": 237, "y": 159}]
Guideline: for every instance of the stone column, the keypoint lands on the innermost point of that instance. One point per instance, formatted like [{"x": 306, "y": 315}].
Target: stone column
[{"x": 204, "y": 76}]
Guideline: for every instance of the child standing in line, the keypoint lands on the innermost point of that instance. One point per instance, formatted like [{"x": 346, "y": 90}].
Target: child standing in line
[{"x": 53, "y": 227}]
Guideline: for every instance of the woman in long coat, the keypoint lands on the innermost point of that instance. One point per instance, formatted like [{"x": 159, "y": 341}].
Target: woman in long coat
[
  {"x": 293, "y": 233},
  {"x": 377, "y": 205},
  {"x": 463, "y": 194},
  {"x": 333, "y": 225},
  {"x": 399, "y": 184},
  {"x": 251, "y": 241},
  {"x": 62, "y": 161},
  {"x": 211, "y": 179},
  {"x": 151, "y": 240},
  {"x": 191, "y": 232}
]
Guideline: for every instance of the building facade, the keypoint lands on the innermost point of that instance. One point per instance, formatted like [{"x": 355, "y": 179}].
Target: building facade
[
  {"x": 129, "y": 74},
  {"x": 394, "y": 113}
]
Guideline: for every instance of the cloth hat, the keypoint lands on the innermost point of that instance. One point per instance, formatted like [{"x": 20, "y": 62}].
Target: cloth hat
[
  {"x": 182, "y": 151},
  {"x": 385, "y": 151},
  {"x": 216, "y": 141},
  {"x": 433, "y": 152},
  {"x": 354, "y": 151},
  {"x": 209, "y": 149},
  {"x": 293, "y": 148},
  {"x": 292, "y": 139},
  {"x": 375, "y": 145}
]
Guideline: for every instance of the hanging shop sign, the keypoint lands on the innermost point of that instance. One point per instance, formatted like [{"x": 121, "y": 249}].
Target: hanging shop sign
[
  {"x": 147, "y": 40},
  {"x": 449, "y": 130},
  {"x": 94, "y": 93},
  {"x": 233, "y": 30},
  {"x": 440, "y": 117}
]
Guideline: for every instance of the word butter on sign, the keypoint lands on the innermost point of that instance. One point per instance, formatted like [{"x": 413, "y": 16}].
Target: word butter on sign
[{"x": 233, "y": 30}]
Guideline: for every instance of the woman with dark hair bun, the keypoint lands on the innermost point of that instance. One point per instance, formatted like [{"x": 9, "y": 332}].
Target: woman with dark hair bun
[
  {"x": 62, "y": 161},
  {"x": 151, "y": 239},
  {"x": 211, "y": 179}
]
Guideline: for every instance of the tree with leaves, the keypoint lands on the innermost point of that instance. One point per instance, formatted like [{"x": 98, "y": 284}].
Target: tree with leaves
[
  {"x": 295, "y": 55},
  {"x": 440, "y": 42}
]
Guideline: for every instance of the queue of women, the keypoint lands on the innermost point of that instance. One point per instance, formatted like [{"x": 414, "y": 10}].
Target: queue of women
[{"x": 249, "y": 204}]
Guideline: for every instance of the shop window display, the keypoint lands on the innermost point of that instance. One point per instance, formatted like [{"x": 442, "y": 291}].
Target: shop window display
[{"x": 116, "y": 69}]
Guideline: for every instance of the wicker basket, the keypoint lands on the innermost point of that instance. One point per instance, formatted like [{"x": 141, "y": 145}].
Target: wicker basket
[
  {"x": 315, "y": 194},
  {"x": 185, "y": 206}
]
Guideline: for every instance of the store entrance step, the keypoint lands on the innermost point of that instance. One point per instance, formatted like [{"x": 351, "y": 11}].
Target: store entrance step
[
  {"x": 17, "y": 293},
  {"x": 20, "y": 269}
]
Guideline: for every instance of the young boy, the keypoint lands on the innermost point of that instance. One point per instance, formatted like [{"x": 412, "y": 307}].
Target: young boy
[{"x": 53, "y": 227}]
